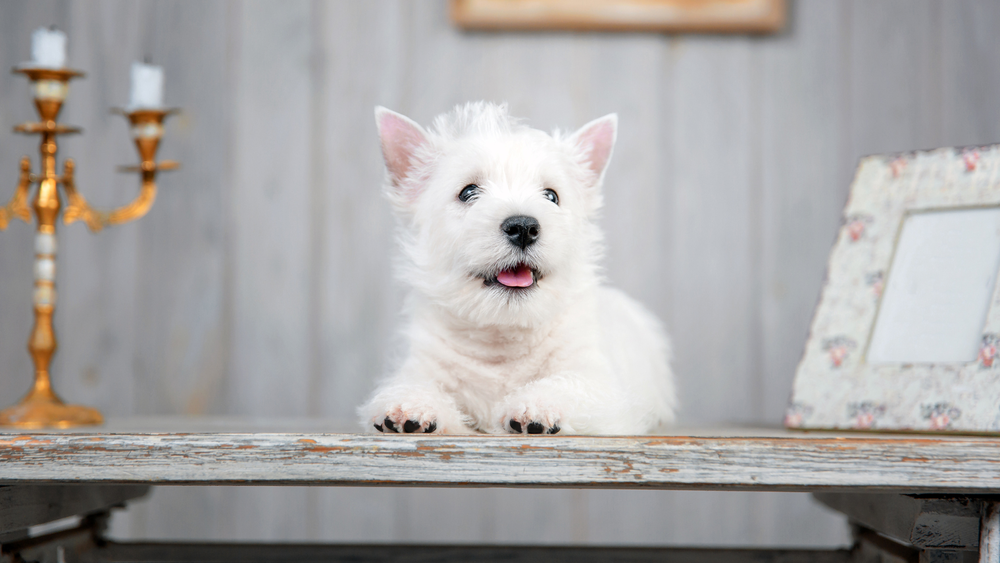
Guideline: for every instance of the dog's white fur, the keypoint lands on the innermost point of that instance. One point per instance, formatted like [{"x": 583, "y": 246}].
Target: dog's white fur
[{"x": 568, "y": 353}]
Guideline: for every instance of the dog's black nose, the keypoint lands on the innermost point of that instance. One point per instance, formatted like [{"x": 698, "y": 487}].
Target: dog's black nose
[{"x": 521, "y": 231}]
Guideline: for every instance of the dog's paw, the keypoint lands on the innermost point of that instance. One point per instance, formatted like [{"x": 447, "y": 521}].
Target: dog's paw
[
  {"x": 528, "y": 418},
  {"x": 413, "y": 409},
  {"x": 540, "y": 407},
  {"x": 515, "y": 426},
  {"x": 399, "y": 420}
]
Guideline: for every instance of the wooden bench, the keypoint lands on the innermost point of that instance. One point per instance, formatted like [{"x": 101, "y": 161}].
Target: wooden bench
[{"x": 910, "y": 498}]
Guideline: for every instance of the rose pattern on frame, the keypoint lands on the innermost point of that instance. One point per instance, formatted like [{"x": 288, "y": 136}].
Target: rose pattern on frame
[
  {"x": 876, "y": 281},
  {"x": 971, "y": 160},
  {"x": 838, "y": 348},
  {"x": 865, "y": 414},
  {"x": 897, "y": 165},
  {"x": 796, "y": 413},
  {"x": 988, "y": 350},
  {"x": 940, "y": 415},
  {"x": 857, "y": 224}
]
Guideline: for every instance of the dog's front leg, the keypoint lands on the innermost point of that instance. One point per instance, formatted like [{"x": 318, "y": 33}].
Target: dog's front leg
[{"x": 413, "y": 408}]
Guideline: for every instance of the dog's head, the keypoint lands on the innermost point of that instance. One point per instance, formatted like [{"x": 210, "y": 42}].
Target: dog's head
[{"x": 498, "y": 219}]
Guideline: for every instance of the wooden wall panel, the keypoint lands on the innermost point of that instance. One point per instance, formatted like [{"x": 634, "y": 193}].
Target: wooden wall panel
[
  {"x": 269, "y": 358},
  {"x": 96, "y": 280},
  {"x": 803, "y": 176},
  {"x": 182, "y": 325},
  {"x": 894, "y": 77},
  {"x": 713, "y": 202},
  {"x": 182, "y": 329},
  {"x": 970, "y": 80}
]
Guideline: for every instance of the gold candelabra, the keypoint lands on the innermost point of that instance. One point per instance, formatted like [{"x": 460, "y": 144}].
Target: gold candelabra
[{"x": 41, "y": 407}]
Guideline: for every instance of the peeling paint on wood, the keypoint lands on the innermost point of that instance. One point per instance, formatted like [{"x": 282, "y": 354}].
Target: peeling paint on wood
[{"x": 968, "y": 465}]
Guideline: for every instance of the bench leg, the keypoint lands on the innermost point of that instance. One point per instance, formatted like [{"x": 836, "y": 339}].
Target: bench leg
[{"x": 989, "y": 534}]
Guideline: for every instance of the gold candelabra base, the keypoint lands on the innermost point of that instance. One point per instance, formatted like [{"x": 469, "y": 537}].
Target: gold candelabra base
[{"x": 43, "y": 409}]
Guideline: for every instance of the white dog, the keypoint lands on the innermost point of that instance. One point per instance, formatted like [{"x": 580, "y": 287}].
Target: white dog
[{"x": 510, "y": 329}]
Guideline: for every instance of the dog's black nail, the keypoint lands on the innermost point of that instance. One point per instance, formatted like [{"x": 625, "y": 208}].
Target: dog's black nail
[
  {"x": 431, "y": 428},
  {"x": 554, "y": 430},
  {"x": 390, "y": 425},
  {"x": 535, "y": 428},
  {"x": 410, "y": 426},
  {"x": 378, "y": 427},
  {"x": 515, "y": 426}
]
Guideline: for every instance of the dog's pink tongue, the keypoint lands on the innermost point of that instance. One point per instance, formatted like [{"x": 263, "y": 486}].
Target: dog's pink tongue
[{"x": 517, "y": 277}]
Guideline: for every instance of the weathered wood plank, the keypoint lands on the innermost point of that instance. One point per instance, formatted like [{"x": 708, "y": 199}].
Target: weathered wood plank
[
  {"x": 912, "y": 465},
  {"x": 25, "y": 506},
  {"x": 925, "y": 522}
]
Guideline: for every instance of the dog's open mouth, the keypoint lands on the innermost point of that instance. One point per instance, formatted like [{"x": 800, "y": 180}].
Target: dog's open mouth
[{"x": 520, "y": 276}]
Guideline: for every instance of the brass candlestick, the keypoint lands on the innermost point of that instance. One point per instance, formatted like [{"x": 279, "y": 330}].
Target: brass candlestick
[{"x": 41, "y": 407}]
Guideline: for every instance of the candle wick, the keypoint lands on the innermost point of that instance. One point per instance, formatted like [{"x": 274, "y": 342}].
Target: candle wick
[
  {"x": 147, "y": 59},
  {"x": 52, "y": 27}
]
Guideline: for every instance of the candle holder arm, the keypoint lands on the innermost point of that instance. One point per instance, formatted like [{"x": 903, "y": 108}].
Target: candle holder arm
[
  {"x": 147, "y": 130},
  {"x": 18, "y": 204},
  {"x": 78, "y": 209}
]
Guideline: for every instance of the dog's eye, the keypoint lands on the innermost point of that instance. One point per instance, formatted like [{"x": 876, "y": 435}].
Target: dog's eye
[
  {"x": 552, "y": 196},
  {"x": 468, "y": 192}
]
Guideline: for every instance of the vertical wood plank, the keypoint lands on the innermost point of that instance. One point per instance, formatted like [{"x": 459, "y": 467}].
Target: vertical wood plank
[
  {"x": 181, "y": 326},
  {"x": 270, "y": 210},
  {"x": 970, "y": 81},
  {"x": 802, "y": 167},
  {"x": 181, "y": 332},
  {"x": 358, "y": 297},
  {"x": 989, "y": 538},
  {"x": 269, "y": 205},
  {"x": 894, "y": 76},
  {"x": 713, "y": 201}
]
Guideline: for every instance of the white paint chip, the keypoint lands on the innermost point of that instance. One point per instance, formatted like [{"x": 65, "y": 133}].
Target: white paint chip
[{"x": 939, "y": 287}]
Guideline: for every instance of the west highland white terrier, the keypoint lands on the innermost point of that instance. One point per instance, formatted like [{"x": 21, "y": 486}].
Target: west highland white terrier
[{"x": 510, "y": 328}]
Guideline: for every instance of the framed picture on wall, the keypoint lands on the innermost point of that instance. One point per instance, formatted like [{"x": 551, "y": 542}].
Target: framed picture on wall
[
  {"x": 906, "y": 335},
  {"x": 680, "y": 16}
]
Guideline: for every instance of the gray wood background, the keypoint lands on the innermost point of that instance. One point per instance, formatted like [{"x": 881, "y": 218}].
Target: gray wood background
[{"x": 260, "y": 283}]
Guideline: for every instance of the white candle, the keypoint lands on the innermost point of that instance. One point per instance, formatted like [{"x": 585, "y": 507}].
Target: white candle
[
  {"x": 147, "y": 87},
  {"x": 48, "y": 48}
]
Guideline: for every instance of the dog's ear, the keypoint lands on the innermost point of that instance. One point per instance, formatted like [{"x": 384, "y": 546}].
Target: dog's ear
[
  {"x": 400, "y": 138},
  {"x": 596, "y": 140}
]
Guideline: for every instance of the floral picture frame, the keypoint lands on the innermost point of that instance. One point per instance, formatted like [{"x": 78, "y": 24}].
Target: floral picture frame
[{"x": 835, "y": 387}]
